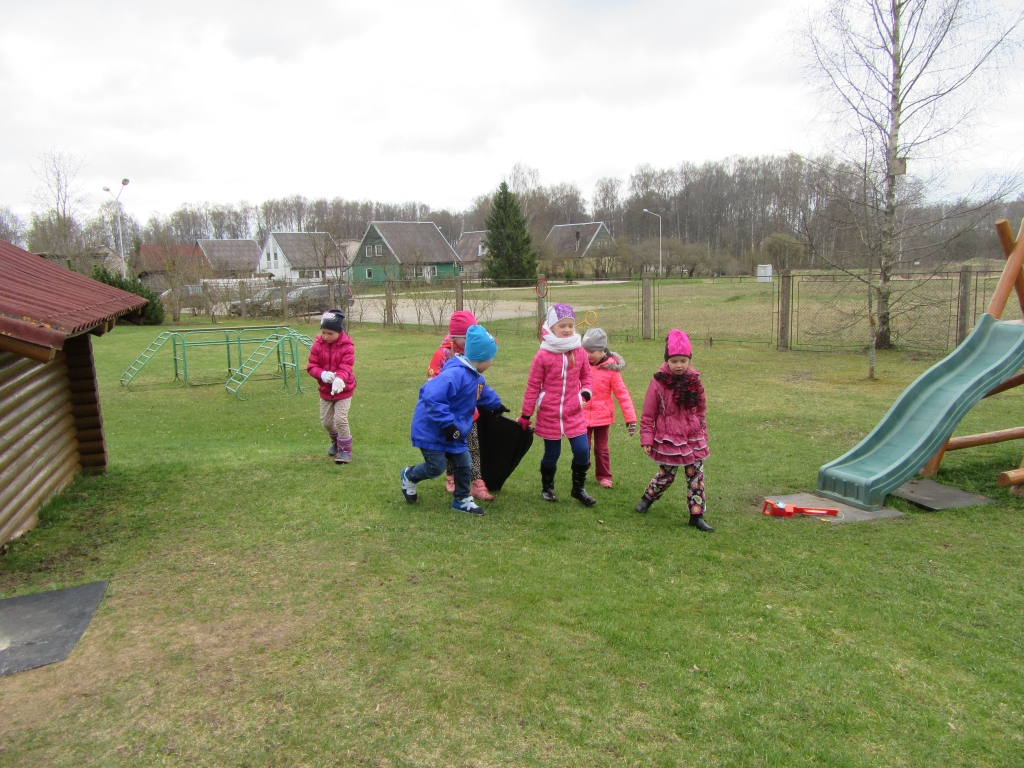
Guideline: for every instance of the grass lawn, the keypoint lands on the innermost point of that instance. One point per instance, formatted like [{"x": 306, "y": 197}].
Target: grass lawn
[{"x": 267, "y": 608}]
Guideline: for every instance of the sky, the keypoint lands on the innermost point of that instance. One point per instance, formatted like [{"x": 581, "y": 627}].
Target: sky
[{"x": 395, "y": 100}]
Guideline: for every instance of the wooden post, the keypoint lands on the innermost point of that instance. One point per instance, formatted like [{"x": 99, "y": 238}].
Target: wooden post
[
  {"x": 284, "y": 299},
  {"x": 785, "y": 295},
  {"x": 1006, "y": 240},
  {"x": 242, "y": 309},
  {"x": 1011, "y": 277},
  {"x": 647, "y": 310},
  {"x": 389, "y": 318},
  {"x": 963, "y": 304},
  {"x": 458, "y": 293}
]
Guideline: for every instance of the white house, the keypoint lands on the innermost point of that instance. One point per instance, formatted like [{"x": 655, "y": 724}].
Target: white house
[{"x": 297, "y": 255}]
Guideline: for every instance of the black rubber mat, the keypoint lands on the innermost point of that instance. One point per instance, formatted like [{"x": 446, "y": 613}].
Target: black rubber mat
[{"x": 41, "y": 629}]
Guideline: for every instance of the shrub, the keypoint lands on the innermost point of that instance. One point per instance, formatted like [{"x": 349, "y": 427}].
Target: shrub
[{"x": 154, "y": 310}]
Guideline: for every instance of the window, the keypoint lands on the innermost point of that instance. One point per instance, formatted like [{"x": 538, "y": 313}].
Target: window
[
  {"x": 376, "y": 250},
  {"x": 461, "y": 269},
  {"x": 369, "y": 251},
  {"x": 369, "y": 272}
]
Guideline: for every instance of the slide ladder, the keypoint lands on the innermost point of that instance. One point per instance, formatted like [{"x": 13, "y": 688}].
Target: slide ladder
[
  {"x": 147, "y": 355},
  {"x": 286, "y": 347}
]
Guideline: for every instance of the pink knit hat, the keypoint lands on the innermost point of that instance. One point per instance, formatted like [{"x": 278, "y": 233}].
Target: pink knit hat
[
  {"x": 677, "y": 343},
  {"x": 460, "y": 321}
]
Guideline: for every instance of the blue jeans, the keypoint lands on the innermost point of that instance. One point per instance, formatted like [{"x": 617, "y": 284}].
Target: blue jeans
[
  {"x": 434, "y": 465},
  {"x": 580, "y": 451}
]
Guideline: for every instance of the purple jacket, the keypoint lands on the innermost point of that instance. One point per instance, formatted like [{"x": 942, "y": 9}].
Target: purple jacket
[
  {"x": 553, "y": 390},
  {"x": 676, "y": 435}
]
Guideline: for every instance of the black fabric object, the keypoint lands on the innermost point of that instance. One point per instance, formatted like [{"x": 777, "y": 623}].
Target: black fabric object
[
  {"x": 503, "y": 444},
  {"x": 452, "y": 433},
  {"x": 42, "y": 628}
]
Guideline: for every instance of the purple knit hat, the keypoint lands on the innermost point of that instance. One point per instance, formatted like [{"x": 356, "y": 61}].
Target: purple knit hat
[
  {"x": 677, "y": 343},
  {"x": 558, "y": 312}
]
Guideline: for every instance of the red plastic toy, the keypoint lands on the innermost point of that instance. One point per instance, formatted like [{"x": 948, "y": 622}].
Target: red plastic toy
[{"x": 781, "y": 509}]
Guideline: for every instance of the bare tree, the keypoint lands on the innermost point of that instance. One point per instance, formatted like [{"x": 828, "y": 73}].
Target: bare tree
[
  {"x": 12, "y": 227},
  {"x": 904, "y": 80},
  {"x": 55, "y": 226}
]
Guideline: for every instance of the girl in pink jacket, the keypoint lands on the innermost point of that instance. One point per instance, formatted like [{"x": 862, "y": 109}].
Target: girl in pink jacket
[
  {"x": 674, "y": 429},
  {"x": 331, "y": 360},
  {"x": 599, "y": 413},
  {"x": 560, "y": 382}
]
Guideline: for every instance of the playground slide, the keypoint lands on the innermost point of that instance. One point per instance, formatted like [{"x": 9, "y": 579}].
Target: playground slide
[{"x": 924, "y": 416}]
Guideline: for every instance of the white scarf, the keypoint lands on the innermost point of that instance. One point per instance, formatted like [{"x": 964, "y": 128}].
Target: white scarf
[{"x": 555, "y": 344}]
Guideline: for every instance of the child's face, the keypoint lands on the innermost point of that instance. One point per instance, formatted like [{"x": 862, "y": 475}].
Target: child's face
[
  {"x": 328, "y": 335},
  {"x": 595, "y": 355},
  {"x": 679, "y": 364},
  {"x": 564, "y": 328},
  {"x": 482, "y": 366},
  {"x": 459, "y": 341}
]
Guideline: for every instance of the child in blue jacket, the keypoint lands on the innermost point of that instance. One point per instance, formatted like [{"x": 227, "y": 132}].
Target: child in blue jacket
[{"x": 444, "y": 416}]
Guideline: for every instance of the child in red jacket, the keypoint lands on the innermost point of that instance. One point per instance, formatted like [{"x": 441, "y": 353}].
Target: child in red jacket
[
  {"x": 674, "y": 429},
  {"x": 331, "y": 360},
  {"x": 600, "y": 411}
]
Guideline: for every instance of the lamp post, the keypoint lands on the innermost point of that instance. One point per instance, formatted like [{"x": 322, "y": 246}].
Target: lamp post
[
  {"x": 120, "y": 239},
  {"x": 659, "y": 238}
]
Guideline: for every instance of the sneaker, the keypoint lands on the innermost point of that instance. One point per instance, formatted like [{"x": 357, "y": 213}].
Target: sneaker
[
  {"x": 408, "y": 487},
  {"x": 467, "y": 505},
  {"x": 478, "y": 490},
  {"x": 605, "y": 482}
]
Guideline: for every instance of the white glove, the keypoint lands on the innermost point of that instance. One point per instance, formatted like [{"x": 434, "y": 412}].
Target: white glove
[
  {"x": 338, "y": 385},
  {"x": 327, "y": 377}
]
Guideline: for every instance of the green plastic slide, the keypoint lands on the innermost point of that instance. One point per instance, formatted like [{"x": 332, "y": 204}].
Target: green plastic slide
[{"x": 925, "y": 415}]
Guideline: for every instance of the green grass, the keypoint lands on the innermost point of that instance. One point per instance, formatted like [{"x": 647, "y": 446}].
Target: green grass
[{"x": 268, "y": 608}]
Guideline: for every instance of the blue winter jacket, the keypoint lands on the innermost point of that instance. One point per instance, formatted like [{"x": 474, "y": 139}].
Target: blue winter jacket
[{"x": 449, "y": 398}]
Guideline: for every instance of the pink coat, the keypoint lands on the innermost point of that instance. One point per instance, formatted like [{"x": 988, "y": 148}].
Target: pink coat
[
  {"x": 600, "y": 411},
  {"x": 339, "y": 358},
  {"x": 553, "y": 390},
  {"x": 677, "y": 435}
]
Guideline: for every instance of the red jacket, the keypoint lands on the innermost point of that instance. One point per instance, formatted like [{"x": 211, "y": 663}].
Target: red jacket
[
  {"x": 553, "y": 390},
  {"x": 600, "y": 411},
  {"x": 339, "y": 358},
  {"x": 677, "y": 435}
]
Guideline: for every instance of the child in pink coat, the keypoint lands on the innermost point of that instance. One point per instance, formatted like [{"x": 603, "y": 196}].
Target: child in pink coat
[
  {"x": 331, "y": 360},
  {"x": 560, "y": 382},
  {"x": 674, "y": 429},
  {"x": 599, "y": 413}
]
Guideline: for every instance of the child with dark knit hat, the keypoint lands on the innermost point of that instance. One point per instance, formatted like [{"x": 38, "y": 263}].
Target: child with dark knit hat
[
  {"x": 444, "y": 416},
  {"x": 599, "y": 412},
  {"x": 331, "y": 360},
  {"x": 454, "y": 344},
  {"x": 674, "y": 429},
  {"x": 560, "y": 382}
]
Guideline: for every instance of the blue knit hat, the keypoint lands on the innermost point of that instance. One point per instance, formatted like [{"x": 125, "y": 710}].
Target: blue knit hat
[{"x": 480, "y": 345}]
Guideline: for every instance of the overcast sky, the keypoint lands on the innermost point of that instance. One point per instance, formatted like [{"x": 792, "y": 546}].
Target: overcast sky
[{"x": 394, "y": 100}]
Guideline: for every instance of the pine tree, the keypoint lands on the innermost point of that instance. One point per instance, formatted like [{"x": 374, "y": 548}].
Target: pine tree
[{"x": 509, "y": 252}]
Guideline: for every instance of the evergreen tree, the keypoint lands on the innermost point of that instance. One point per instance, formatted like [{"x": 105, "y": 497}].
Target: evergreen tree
[
  {"x": 509, "y": 253},
  {"x": 154, "y": 314}
]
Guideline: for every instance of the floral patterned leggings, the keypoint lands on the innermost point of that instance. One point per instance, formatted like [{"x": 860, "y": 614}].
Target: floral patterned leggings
[{"x": 696, "y": 502}]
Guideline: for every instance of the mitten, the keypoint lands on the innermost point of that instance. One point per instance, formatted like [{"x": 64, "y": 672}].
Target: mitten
[
  {"x": 502, "y": 409},
  {"x": 586, "y": 394},
  {"x": 338, "y": 385},
  {"x": 524, "y": 422},
  {"x": 327, "y": 377},
  {"x": 632, "y": 428},
  {"x": 452, "y": 432}
]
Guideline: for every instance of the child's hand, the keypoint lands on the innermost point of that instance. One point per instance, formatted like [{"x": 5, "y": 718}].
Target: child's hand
[
  {"x": 524, "y": 422},
  {"x": 648, "y": 449},
  {"x": 451, "y": 432},
  {"x": 327, "y": 377},
  {"x": 338, "y": 385},
  {"x": 586, "y": 394},
  {"x": 632, "y": 428}
]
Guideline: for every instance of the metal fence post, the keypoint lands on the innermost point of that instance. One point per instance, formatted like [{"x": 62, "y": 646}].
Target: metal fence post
[
  {"x": 241, "y": 299},
  {"x": 785, "y": 295},
  {"x": 963, "y": 304},
  {"x": 648, "y": 308},
  {"x": 284, "y": 300},
  {"x": 458, "y": 293}
]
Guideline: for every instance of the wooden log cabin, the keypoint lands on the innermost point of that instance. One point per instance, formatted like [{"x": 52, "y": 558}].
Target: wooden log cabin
[{"x": 51, "y": 427}]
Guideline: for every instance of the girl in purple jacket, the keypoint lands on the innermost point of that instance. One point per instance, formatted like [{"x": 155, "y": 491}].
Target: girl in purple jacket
[
  {"x": 331, "y": 359},
  {"x": 560, "y": 381},
  {"x": 674, "y": 429}
]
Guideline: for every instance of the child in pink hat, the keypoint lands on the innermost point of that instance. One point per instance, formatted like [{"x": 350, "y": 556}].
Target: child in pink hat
[
  {"x": 455, "y": 344},
  {"x": 560, "y": 382},
  {"x": 674, "y": 429}
]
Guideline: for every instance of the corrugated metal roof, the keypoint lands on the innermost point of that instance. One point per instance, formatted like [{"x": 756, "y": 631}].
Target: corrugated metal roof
[{"x": 43, "y": 303}]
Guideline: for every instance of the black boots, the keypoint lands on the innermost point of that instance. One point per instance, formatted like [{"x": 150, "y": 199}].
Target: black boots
[
  {"x": 644, "y": 504},
  {"x": 579, "y": 479},
  {"x": 697, "y": 521},
  {"x": 547, "y": 483}
]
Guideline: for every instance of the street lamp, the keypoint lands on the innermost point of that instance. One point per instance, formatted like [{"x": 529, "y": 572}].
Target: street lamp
[
  {"x": 120, "y": 240},
  {"x": 659, "y": 238}
]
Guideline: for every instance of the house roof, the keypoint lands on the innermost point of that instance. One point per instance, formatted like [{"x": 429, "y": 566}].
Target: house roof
[
  {"x": 416, "y": 242},
  {"x": 310, "y": 250},
  {"x": 562, "y": 237},
  {"x": 155, "y": 258},
  {"x": 231, "y": 255},
  {"x": 42, "y": 303},
  {"x": 469, "y": 244}
]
